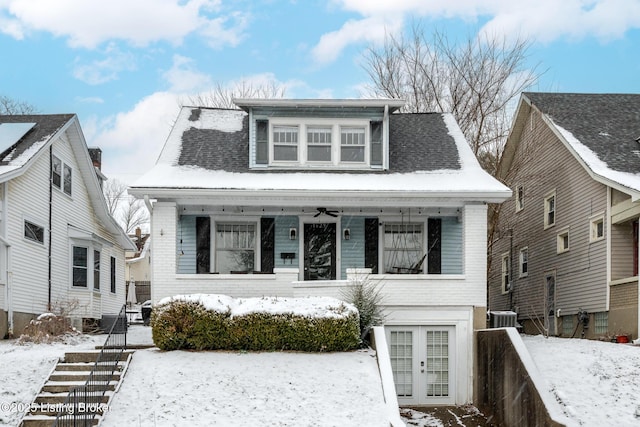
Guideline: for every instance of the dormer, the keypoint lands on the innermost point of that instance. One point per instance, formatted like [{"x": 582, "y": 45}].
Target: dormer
[{"x": 325, "y": 134}]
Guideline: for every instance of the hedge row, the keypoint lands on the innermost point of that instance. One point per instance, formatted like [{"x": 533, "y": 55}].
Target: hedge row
[{"x": 189, "y": 325}]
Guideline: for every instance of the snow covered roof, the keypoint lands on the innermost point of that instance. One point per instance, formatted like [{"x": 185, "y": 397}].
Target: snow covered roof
[
  {"x": 24, "y": 149},
  {"x": 208, "y": 149},
  {"x": 602, "y": 130},
  {"x": 17, "y": 158}
]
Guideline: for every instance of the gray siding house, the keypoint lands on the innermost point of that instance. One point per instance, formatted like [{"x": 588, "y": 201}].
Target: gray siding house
[
  {"x": 295, "y": 198},
  {"x": 566, "y": 243}
]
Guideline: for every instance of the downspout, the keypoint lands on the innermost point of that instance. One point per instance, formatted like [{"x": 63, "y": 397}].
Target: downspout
[
  {"x": 50, "y": 224},
  {"x": 8, "y": 295}
]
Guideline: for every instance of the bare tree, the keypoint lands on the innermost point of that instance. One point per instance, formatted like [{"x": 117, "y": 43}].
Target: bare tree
[
  {"x": 476, "y": 81},
  {"x": 10, "y": 106},
  {"x": 128, "y": 211},
  {"x": 221, "y": 96}
]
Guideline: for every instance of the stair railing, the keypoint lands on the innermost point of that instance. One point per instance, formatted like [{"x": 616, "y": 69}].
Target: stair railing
[{"x": 85, "y": 402}]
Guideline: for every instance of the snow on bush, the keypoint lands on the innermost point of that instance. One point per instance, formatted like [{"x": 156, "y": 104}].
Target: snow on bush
[{"x": 219, "y": 322}]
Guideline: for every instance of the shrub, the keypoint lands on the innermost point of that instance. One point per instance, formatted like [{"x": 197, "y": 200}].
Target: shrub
[
  {"x": 185, "y": 323},
  {"x": 47, "y": 328},
  {"x": 366, "y": 296}
]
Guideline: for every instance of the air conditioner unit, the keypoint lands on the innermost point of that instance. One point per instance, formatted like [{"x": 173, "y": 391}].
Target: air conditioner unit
[{"x": 503, "y": 319}]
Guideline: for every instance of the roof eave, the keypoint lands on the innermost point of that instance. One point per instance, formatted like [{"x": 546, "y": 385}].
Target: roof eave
[{"x": 247, "y": 103}]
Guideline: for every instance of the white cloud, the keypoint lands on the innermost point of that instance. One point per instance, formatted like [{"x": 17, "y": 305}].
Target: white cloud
[
  {"x": 131, "y": 141},
  {"x": 542, "y": 20},
  {"x": 88, "y": 23},
  {"x": 90, "y": 100},
  {"x": 98, "y": 72},
  {"x": 184, "y": 77},
  {"x": 370, "y": 29}
]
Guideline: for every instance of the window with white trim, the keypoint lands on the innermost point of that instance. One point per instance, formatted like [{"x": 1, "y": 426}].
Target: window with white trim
[
  {"x": 524, "y": 262},
  {"x": 318, "y": 144},
  {"x": 235, "y": 247},
  {"x": 403, "y": 248},
  {"x": 285, "y": 143},
  {"x": 563, "y": 241},
  {"x": 596, "y": 228},
  {"x": 506, "y": 277},
  {"x": 33, "y": 232},
  {"x": 113, "y": 275},
  {"x": 519, "y": 198},
  {"x": 80, "y": 266},
  {"x": 61, "y": 175},
  {"x": 96, "y": 270},
  {"x": 550, "y": 210},
  {"x": 352, "y": 144}
]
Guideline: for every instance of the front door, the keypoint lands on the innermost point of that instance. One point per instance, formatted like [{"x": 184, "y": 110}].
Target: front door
[
  {"x": 320, "y": 251},
  {"x": 422, "y": 361}
]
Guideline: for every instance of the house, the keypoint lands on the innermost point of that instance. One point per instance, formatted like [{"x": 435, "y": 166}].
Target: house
[
  {"x": 138, "y": 268},
  {"x": 295, "y": 198},
  {"x": 566, "y": 247},
  {"x": 60, "y": 250}
]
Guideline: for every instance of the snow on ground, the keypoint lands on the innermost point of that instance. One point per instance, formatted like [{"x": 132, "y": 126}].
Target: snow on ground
[
  {"x": 596, "y": 383},
  {"x": 24, "y": 369},
  {"x": 239, "y": 388}
]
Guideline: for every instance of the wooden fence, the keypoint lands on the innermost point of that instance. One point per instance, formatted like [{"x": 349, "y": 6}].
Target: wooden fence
[{"x": 143, "y": 290}]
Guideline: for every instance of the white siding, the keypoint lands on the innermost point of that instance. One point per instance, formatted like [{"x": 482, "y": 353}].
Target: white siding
[{"x": 29, "y": 197}]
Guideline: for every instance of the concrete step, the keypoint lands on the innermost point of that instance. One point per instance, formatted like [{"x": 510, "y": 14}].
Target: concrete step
[
  {"x": 47, "y": 421},
  {"x": 57, "y": 398},
  {"x": 84, "y": 366},
  {"x": 91, "y": 356},
  {"x": 83, "y": 375},
  {"x": 67, "y": 386}
]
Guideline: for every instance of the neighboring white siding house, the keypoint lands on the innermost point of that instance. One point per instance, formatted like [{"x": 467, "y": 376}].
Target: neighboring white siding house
[
  {"x": 301, "y": 197},
  {"x": 54, "y": 225}
]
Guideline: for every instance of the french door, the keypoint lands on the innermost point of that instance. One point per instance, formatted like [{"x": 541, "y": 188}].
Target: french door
[{"x": 422, "y": 361}]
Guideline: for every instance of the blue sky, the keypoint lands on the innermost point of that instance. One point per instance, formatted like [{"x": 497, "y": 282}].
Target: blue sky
[{"x": 123, "y": 66}]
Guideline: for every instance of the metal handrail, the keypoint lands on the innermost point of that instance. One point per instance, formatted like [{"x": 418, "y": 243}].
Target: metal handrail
[{"x": 84, "y": 402}]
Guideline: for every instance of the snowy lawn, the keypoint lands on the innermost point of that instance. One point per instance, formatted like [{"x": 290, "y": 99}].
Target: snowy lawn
[
  {"x": 24, "y": 368},
  {"x": 237, "y": 388},
  {"x": 596, "y": 383}
]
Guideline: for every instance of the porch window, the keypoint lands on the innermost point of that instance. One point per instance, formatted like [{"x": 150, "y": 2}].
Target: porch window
[
  {"x": 352, "y": 144},
  {"x": 285, "y": 143},
  {"x": 80, "y": 266},
  {"x": 403, "y": 248},
  {"x": 319, "y": 144},
  {"x": 235, "y": 247}
]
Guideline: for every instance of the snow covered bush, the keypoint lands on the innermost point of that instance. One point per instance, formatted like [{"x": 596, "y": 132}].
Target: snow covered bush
[{"x": 214, "y": 322}]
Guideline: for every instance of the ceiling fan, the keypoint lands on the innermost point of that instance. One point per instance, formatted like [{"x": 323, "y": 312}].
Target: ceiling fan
[{"x": 326, "y": 211}]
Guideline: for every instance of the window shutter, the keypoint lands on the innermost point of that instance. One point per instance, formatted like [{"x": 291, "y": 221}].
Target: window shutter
[
  {"x": 371, "y": 244},
  {"x": 262, "y": 142},
  {"x": 267, "y": 245},
  {"x": 434, "y": 246}
]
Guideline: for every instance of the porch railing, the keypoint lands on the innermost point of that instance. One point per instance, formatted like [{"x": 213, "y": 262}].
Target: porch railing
[{"x": 85, "y": 402}]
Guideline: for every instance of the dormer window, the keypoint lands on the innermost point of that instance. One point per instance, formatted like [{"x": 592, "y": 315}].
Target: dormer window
[
  {"x": 285, "y": 143},
  {"x": 329, "y": 143},
  {"x": 352, "y": 144},
  {"x": 319, "y": 144}
]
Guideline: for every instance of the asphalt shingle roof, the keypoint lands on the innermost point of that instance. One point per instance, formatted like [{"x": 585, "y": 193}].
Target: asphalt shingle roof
[
  {"x": 46, "y": 125},
  {"x": 608, "y": 124},
  {"x": 418, "y": 142}
]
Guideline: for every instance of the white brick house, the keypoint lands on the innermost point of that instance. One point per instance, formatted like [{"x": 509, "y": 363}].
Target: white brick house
[{"x": 297, "y": 197}]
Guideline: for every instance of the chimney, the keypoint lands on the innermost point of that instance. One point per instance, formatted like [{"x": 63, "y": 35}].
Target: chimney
[
  {"x": 96, "y": 157},
  {"x": 139, "y": 238}
]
